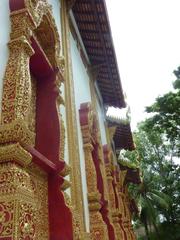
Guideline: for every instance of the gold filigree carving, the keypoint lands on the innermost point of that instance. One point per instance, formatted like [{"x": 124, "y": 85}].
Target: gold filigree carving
[
  {"x": 32, "y": 110},
  {"x": 105, "y": 169},
  {"x": 113, "y": 210},
  {"x": 6, "y": 218},
  {"x": 24, "y": 190},
  {"x": 98, "y": 228},
  {"x": 16, "y": 87},
  {"x": 124, "y": 205},
  {"x": 16, "y": 131},
  {"x": 25, "y": 23},
  {"x": 62, "y": 141},
  {"x": 23, "y": 203},
  {"x": 14, "y": 152}
]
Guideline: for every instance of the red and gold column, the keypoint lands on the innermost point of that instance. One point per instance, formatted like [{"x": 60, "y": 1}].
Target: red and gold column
[
  {"x": 111, "y": 189},
  {"x": 31, "y": 179},
  {"x": 126, "y": 175},
  {"x": 98, "y": 228}
]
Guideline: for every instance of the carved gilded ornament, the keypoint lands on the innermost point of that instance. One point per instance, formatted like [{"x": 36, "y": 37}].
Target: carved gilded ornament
[
  {"x": 98, "y": 228},
  {"x": 25, "y": 24},
  {"x": 14, "y": 152},
  {"x": 23, "y": 191},
  {"x": 17, "y": 81},
  {"x": 16, "y": 131},
  {"x": 23, "y": 204},
  {"x": 105, "y": 171},
  {"x": 124, "y": 202},
  {"x": 17, "y": 120},
  {"x": 115, "y": 213},
  {"x": 62, "y": 140}
]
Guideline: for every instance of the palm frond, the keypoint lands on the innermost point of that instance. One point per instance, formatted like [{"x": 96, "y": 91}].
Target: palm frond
[
  {"x": 158, "y": 201},
  {"x": 163, "y": 196}
]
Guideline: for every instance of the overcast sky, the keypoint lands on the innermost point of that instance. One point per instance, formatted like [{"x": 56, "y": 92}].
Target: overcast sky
[{"x": 146, "y": 36}]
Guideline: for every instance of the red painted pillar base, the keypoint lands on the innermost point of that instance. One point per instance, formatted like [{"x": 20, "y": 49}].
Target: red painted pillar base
[{"x": 60, "y": 217}]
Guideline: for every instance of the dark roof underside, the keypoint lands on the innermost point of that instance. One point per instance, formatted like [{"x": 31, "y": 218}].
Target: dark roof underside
[
  {"x": 123, "y": 138},
  {"x": 92, "y": 21}
]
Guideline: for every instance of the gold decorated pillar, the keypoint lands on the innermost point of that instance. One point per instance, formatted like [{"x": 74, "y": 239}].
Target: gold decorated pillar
[
  {"x": 98, "y": 227},
  {"x": 120, "y": 180},
  {"x": 99, "y": 159},
  {"x": 126, "y": 175},
  {"x": 124, "y": 210},
  {"x": 23, "y": 203},
  {"x": 27, "y": 173},
  {"x": 113, "y": 206},
  {"x": 18, "y": 200},
  {"x": 122, "y": 206}
]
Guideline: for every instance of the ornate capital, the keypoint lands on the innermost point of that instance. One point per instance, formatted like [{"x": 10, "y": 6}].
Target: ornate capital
[
  {"x": 16, "y": 131},
  {"x": 14, "y": 152}
]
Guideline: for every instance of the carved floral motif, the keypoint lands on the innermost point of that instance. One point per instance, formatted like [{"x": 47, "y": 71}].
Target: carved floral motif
[
  {"x": 6, "y": 218},
  {"x": 23, "y": 203}
]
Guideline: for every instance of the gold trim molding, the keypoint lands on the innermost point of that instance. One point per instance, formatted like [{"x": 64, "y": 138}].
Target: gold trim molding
[{"x": 72, "y": 135}]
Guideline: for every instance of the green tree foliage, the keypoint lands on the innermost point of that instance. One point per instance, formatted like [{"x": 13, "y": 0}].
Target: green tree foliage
[
  {"x": 150, "y": 200},
  {"x": 158, "y": 145},
  {"x": 159, "y": 192},
  {"x": 166, "y": 115}
]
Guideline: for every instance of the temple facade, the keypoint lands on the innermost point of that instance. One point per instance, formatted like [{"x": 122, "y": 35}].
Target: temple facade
[{"x": 59, "y": 173}]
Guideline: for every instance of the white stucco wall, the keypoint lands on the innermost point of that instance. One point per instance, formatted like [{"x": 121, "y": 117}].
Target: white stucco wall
[
  {"x": 56, "y": 6},
  {"x": 4, "y": 39},
  {"x": 101, "y": 117},
  {"x": 82, "y": 94}
]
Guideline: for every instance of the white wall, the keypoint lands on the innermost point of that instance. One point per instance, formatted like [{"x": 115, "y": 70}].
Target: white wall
[
  {"x": 56, "y": 13},
  {"x": 101, "y": 118},
  {"x": 82, "y": 94},
  {"x": 4, "y": 39}
]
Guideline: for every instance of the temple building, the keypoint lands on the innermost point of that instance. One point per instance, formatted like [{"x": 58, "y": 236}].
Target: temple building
[{"x": 60, "y": 178}]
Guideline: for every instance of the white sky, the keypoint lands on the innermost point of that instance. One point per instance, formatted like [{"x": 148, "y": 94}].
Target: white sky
[{"x": 146, "y": 36}]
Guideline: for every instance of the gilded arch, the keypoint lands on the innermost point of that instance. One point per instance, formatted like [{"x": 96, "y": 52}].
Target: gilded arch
[{"x": 31, "y": 21}]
